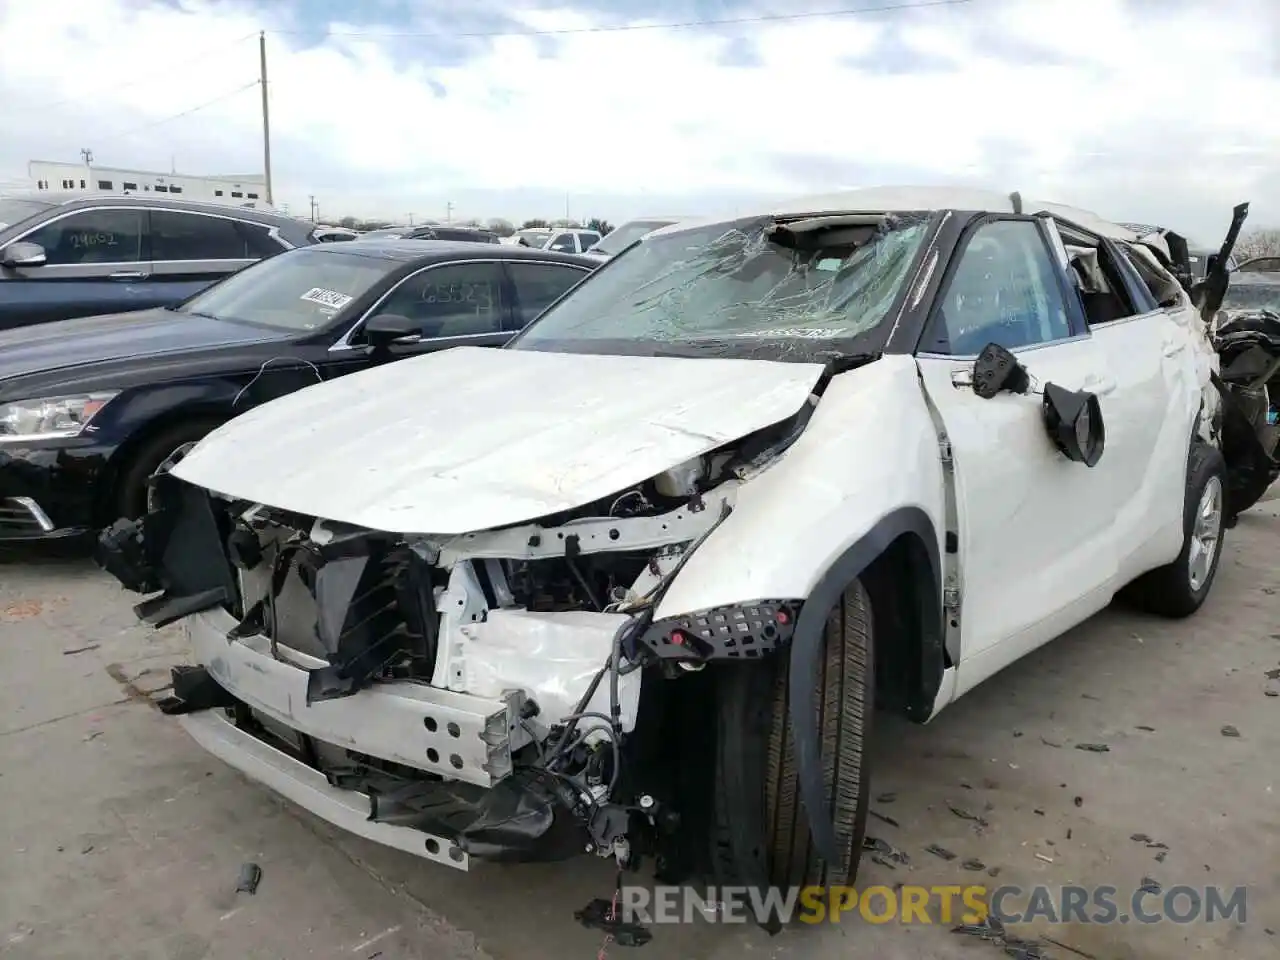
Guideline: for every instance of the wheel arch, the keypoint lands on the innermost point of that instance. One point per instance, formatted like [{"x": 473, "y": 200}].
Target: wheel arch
[
  {"x": 899, "y": 558},
  {"x": 203, "y": 411}
]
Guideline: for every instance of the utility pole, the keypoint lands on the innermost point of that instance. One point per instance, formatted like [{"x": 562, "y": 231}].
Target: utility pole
[
  {"x": 411, "y": 219},
  {"x": 315, "y": 209},
  {"x": 448, "y": 212},
  {"x": 566, "y": 207},
  {"x": 266, "y": 115}
]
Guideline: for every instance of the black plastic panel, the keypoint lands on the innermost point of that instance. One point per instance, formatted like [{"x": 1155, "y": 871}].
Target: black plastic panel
[{"x": 740, "y": 631}]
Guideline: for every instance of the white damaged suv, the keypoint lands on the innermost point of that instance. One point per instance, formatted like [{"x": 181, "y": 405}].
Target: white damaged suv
[{"x": 634, "y": 583}]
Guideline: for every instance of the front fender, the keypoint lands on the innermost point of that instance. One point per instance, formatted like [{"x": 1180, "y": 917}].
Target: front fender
[
  {"x": 865, "y": 472},
  {"x": 870, "y": 449}
]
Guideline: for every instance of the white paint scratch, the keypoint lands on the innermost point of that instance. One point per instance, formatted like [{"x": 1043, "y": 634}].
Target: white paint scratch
[{"x": 372, "y": 940}]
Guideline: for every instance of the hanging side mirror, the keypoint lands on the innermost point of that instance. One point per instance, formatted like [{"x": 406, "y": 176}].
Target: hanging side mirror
[{"x": 1073, "y": 420}]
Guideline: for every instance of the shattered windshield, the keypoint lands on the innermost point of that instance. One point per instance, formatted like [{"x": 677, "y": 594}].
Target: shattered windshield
[{"x": 822, "y": 281}]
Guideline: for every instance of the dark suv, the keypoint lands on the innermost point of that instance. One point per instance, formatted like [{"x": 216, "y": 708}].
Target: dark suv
[{"x": 65, "y": 258}]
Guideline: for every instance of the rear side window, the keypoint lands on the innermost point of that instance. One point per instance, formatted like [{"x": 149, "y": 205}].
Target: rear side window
[
  {"x": 460, "y": 299},
  {"x": 191, "y": 236},
  {"x": 92, "y": 236},
  {"x": 563, "y": 243},
  {"x": 538, "y": 285}
]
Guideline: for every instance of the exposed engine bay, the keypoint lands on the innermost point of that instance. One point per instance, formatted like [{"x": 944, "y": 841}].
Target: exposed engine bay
[{"x": 528, "y": 652}]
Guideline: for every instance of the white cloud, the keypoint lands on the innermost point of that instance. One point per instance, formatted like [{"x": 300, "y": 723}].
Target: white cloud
[{"x": 1139, "y": 110}]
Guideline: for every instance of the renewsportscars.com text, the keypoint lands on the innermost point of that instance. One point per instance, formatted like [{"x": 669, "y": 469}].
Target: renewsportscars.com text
[{"x": 946, "y": 904}]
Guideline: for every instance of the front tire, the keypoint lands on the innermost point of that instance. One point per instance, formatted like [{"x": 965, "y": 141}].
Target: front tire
[
  {"x": 762, "y": 834},
  {"x": 1179, "y": 589},
  {"x": 160, "y": 451}
]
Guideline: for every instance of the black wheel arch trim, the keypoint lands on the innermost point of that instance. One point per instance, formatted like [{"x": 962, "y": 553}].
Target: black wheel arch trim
[{"x": 806, "y": 651}]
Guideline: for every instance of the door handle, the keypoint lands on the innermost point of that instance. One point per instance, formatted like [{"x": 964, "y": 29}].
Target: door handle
[
  {"x": 1174, "y": 347},
  {"x": 127, "y": 275},
  {"x": 962, "y": 379}
]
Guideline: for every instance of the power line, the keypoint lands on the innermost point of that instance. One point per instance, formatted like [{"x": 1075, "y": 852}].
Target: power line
[
  {"x": 636, "y": 27},
  {"x": 185, "y": 63},
  {"x": 185, "y": 113}
]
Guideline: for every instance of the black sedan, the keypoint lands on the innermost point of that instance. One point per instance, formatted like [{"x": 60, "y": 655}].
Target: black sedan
[{"x": 91, "y": 408}]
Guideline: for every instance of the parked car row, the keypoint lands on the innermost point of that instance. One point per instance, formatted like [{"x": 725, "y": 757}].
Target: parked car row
[
  {"x": 635, "y": 582},
  {"x": 562, "y": 240}
]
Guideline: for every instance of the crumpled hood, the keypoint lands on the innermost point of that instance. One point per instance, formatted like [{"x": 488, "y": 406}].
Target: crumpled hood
[{"x": 473, "y": 438}]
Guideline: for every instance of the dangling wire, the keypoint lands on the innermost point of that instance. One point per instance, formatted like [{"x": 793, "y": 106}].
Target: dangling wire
[{"x": 263, "y": 369}]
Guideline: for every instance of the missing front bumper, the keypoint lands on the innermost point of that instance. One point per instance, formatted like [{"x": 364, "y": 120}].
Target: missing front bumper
[
  {"x": 309, "y": 789},
  {"x": 454, "y": 735}
]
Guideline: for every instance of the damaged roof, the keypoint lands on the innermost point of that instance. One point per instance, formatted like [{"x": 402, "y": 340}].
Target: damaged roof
[{"x": 907, "y": 198}]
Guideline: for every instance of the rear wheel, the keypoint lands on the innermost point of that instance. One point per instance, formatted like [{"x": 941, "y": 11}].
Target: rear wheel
[
  {"x": 762, "y": 834},
  {"x": 156, "y": 454},
  {"x": 1179, "y": 588}
]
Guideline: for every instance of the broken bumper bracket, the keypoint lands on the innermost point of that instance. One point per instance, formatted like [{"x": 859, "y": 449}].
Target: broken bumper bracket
[
  {"x": 193, "y": 690},
  {"x": 740, "y": 631}
]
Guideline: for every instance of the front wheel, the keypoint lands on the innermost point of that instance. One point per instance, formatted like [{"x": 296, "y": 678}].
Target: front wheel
[
  {"x": 156, "y": 454},
  {"x": 762, "y": 835},
  {"x": 1179, "y": 588}
]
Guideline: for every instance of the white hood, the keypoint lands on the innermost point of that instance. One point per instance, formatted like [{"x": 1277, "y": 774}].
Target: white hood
[{"x": 473, "y": 438}]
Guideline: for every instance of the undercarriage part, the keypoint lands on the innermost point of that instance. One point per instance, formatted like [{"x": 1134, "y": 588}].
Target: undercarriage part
[
  {"x": 603, "y": 915},
  {"x": 194, "y": 689},
  {"x": 1251, "y": 469},
  {"x": 121, "y": 551},
  {"x": 527, "y": 817}
]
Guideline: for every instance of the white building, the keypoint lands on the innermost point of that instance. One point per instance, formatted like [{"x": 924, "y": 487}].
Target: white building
[{"x": 241, "y": 189}]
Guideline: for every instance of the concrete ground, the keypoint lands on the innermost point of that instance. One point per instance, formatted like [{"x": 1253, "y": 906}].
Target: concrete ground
[{"x": 119, "y": 839}]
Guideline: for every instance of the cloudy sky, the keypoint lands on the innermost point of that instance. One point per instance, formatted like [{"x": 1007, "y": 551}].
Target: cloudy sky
[{"x": 1154, "y": 110}]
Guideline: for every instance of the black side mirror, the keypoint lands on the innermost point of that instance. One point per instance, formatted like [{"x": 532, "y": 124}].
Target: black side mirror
[
  {"x": 1073, "y": 419},
  {"x": 386, "y": 329},
  {"x": 22, "y": 254}
]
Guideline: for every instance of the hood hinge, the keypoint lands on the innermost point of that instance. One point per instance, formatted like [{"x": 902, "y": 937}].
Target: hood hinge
[
  {"x": 951, "y": 597},
  {"x": 944, "y": 451}
]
